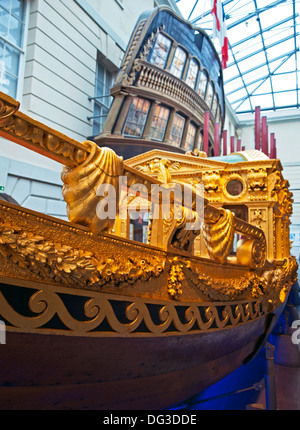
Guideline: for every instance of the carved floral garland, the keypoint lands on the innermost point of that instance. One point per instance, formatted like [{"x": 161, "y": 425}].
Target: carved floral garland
[
  {"x": 70, "y": 266},
  {"x": 74, "y": 267}
]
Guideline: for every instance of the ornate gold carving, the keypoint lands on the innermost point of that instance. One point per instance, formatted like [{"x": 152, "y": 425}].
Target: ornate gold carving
[
  {"x": 175, "y": 279},
  {"x": 258, "y": 217},
  {"x": 258, "y": 184},
  {"x": 161, "y": 167},
  {"x": 218, "y": 236},
  {"x": 278, "y": 281},
  {"x": 8, "y": 107},
  {"x": 81, "y": 186},
  {"x": 240, "y": 193},
  {"x": 251, "y": 252},
  {"x": 97, "y": 308},
  {"x": 212, "y": 185},
  {"x": 74, "y": 267},
  {"x": 34, "y": 135}
]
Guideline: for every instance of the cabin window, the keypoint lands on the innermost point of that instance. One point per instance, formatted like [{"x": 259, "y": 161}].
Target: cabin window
[
  {"x": 192, "y": 73},
  {"x": 177, "y": 130},
  {"x": 136, "y": 117},
  {"x": 202, "y": 84},
  {"x": 12, "y": 23},
  {"x": 102, "y": 100},
  {"x": 190, "y": 138},
  {"x": 178, "y": 62},
  {"x": 160, "y": 51},
  {"x": 159, "y": 123},
  {"x": 209, "y": 94}
]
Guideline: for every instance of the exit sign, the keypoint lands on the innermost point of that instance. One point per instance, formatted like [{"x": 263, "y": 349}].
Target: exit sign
[{"x": 2, "y": 188}]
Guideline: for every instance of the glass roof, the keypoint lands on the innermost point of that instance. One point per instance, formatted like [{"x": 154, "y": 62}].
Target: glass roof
[{"x": 263, "y": 68}]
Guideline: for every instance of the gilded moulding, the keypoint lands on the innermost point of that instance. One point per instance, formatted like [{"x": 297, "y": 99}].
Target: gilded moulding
[
  {"x": 76, "y": 258},
  {"x": 74, "y": 267}
]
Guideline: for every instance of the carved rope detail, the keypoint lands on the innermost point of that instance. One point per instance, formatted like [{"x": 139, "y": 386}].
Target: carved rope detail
[{"x": 158, "y": 317}]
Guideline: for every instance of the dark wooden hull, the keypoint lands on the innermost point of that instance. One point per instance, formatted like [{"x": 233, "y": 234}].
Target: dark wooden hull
[{"x": 44, "y": 371}]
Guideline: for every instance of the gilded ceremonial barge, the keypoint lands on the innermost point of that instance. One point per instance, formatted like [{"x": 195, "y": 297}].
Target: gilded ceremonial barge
[{"x": 140, "y": 312}]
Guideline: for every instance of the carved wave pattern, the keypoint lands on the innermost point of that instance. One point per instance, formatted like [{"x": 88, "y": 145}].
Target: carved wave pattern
[{"x": 95, "y": 314}]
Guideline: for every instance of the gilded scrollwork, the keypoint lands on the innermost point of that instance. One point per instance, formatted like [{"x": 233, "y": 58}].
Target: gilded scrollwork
[
  {"x": 218, "y": 236},
  {"x": 82, "y": 188},
  {"x": 100, "y": 317}
]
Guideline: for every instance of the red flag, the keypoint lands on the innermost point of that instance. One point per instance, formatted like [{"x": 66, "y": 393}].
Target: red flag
[
  {"x": 225, "y": 53},
  {"x": 220, "y": 29},
  {"x": 215, "y": 11}
]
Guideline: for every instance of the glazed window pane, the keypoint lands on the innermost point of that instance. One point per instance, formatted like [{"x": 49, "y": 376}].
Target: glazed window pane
[
  {"x": 159, "y": 123},
  {"x": 202, "y": 84},
  {"x": 11, "y": 44},
  {"x": 178, "y": 62},
  {"x": 177, "y": 130},
  {"x": 136, "y": 117},
  {"x": 209, "y": 94},
  {"x": 190, "y": 138},
  {"x": 160, "y": 51},
  {"x": 192, "y": 73}
]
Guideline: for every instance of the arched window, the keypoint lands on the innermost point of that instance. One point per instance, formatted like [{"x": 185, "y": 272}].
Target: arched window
[
  {"x": 160, "y": 51},
  {"x": 178, "y": 62},
  {"x": 203, "y": 83},
  {"x": 209, "y": 94},
  {"x": 192, "y": 73}
]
